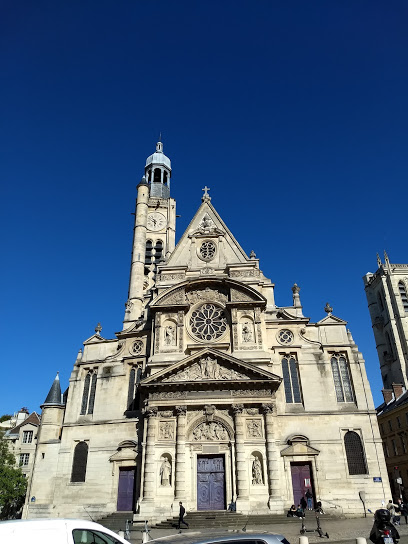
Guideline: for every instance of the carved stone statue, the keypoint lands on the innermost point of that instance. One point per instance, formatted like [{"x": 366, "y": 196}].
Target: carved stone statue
[
  {"x": 247, "y": 335},
  {"x": 166, "y": 430},
  {"x": 210, "y": 431},
  {"x": 206, "y": 369},
  {"x": 254, "y": 428},
  {"x": 170, "y": 335},
  {"x": 165, "y": 472},
  {"x": 257, "y": 478}
]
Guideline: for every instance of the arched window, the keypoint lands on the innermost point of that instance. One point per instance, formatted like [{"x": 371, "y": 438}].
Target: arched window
[
  {"x": 149, "y": 250},
  {"x": 88, "y": 395},
  {"x": 133, "y": 394},
  {"x": 355, "y": 454},
  {"x": 79, "y": 463},
  {"x": 291, "y": 379},
  {"x": 341, "y": 377},
  {"x": 157, "y": 175},
  {"x": 158, "y": 252},
  {"x": 165, "y": 179},
  {"x": 403, "y": 294}
]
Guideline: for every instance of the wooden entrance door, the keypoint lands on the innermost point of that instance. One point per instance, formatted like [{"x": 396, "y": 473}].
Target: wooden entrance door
[
  {"x": 126, "y": 489},
  {"x": 301, "y": 480},
  {"x": 210, "y": 483}
]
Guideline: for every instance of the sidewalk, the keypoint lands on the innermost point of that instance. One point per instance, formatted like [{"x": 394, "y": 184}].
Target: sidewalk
[{"x": 341, "y": 530}]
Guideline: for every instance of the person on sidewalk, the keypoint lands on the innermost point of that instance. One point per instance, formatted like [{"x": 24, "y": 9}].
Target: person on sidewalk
[
  {"x": 404, "y": 511},
  {"x": 303, "y": 504},
  {"x": 182, "y": 513}
]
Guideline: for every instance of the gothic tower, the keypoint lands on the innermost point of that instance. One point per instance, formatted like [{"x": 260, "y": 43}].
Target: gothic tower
[
  {"x": 154, "y": 232},
  {"x": 386, "y": 292}
]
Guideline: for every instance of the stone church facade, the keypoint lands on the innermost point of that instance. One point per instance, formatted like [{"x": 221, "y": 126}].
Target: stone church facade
[{"x": 210, "y": 394}]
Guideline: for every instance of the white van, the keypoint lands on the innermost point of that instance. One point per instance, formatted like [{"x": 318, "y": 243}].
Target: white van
[{"x": 56, "y": 531}]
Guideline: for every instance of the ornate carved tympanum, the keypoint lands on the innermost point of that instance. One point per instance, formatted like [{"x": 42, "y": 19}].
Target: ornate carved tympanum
[{"x": 206, "y": 368}]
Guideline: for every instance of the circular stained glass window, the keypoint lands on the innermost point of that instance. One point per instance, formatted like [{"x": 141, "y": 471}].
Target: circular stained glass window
[
  {"x": 208, "y": 322},
  {"x": 285, "y": 337},
  {"x": 207, "y": 250}
]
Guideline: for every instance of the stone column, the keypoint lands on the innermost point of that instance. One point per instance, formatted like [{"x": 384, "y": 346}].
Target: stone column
[
  {"x": 134, "y": 304},
  {"x": 275, "y": 496},
  {"x": 241, "y": 464},
  {"x": 180, "y": 479},
  {"x": 149, "y": 484}
]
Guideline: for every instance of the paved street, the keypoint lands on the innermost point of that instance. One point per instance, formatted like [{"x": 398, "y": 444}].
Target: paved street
[{"x": 344, "y": 530}]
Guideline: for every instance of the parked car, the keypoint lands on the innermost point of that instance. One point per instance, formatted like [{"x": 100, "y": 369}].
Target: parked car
[
  {"x": 56, "y": 531},
  {"x": 244, "y": 538}
]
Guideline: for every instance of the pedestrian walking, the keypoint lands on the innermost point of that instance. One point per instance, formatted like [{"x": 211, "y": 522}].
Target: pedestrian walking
[
  {"x": 309, "y": 497},
  {"x": 182, "y": 513},
  {"x": 404, "y": 511},
  {"x": 303, "y": 504}
]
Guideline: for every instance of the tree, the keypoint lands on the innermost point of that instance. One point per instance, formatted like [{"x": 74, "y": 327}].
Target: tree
[
  {"x": 13, "y": 484},
  {"x": 6, "y": 417}
]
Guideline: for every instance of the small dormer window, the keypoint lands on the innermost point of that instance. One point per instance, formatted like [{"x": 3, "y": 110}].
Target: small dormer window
[{"x": 27, "y": 437}]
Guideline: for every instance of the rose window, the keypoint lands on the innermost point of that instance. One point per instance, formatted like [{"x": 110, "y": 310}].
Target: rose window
[
  {"x": 208, "y": 322},
  {"x": 285, "y": 337},
  {"x": 137, "y": 347},
  {"x": 207, "y": 250}
]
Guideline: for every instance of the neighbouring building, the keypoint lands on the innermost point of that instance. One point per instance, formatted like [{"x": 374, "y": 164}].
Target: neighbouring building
[
  {"x": 386, "y": 292},
  {"x": 22, "y": 440},
  {"x": 210, "y": 393},
  {"x": 387, "y": 299},
  {"x": 393, "y": 422}
]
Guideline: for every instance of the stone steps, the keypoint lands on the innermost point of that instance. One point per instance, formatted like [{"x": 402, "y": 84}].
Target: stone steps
[
  {"x": 117, "y": 521},
  {"x": 225, "y": 520}
]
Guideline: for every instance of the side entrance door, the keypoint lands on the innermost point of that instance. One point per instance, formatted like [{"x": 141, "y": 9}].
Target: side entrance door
[
  {"x": 301, "y": 480},
  {"x": 210, "y": 483},
  {"x": 126, "y": 489}
]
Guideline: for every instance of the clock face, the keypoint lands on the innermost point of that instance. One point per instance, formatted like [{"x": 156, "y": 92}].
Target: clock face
[{"x": 156, "y": 221}]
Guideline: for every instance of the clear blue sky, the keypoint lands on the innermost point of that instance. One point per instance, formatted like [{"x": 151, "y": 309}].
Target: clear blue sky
[{"x": 294, "y": 113}]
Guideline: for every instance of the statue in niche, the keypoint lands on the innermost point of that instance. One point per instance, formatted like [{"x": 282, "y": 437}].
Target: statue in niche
[
  {"x": 170, "y": 335},
  {"x": 254, "y": 428},
  {"x": 165, "y": 472},
  {"x": 247, "y": 332},
  {"x": 166, "y": 430},
  {"x": 257, "y": 478}
]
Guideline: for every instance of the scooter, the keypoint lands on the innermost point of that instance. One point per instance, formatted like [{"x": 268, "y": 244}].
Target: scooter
[
  {"x": 318, "y": 529},
  {"x": 383, "y": 531}
]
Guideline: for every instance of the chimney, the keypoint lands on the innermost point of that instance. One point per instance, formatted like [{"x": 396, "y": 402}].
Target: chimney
[
  {"x": 398, "y": 389},
  {"x": 388, "y": 395}
]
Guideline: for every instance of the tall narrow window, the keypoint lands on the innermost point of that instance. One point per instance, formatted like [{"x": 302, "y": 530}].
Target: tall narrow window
[
  {"x": 355, "y": 454},
  {"x": 24, "y": 458},
  {"x": 389, "y": 353},
  {"x": 158, "y": 252},
  {"x": 291, "y": 379},
  {"x": 380, "y": 302},
  {"x": 88, "y": 396},
  {"x": 403, "y": 294},
  {"x": 79, "y": 463},
  {"x": 27, "y": 437},
  {"x": 134, "y": 379},
  {"x": 341, "y": 376},
  {"x": 149, "y": 250}
]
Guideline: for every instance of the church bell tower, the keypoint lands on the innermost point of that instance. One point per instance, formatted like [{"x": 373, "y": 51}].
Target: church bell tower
[{"x": 154, "y": 232}]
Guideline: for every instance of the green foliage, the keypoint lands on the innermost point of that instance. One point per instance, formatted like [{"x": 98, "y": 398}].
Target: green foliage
[
  {"x": 5, "y": 417},
  {"x": 13, "y": 485}
]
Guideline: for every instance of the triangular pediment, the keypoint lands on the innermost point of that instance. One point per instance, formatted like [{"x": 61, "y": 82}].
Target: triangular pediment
[
  {"x": 94, "y": 339},
  {"x": 214, "y": 290},
  {"x": 331, "y": 320},
  {"x": 299, "y": 449},
  {"x": 207, "y": 225},
  {"x": 210, "y": 365}
]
